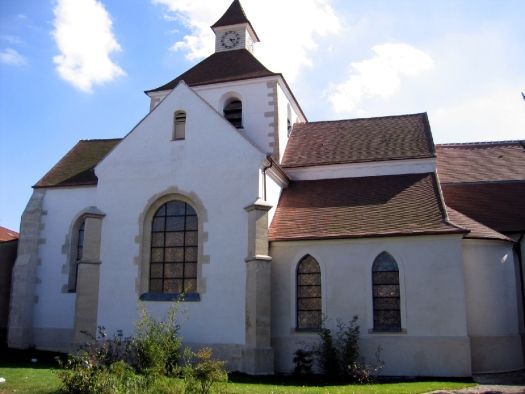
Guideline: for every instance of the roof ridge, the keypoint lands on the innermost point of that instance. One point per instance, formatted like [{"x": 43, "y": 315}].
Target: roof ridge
[
  {"x": 367, "y": 118},
  {"x": 481, "y": 143}
]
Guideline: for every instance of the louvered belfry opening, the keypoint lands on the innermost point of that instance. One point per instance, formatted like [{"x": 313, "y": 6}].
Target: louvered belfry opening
[{"x": 233, "y": 112}]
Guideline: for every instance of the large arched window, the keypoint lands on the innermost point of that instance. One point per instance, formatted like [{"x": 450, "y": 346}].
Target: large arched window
[
  {"x": 179, "y": 125},
  {"x": 174, "y": 249},
  {"x": 309, "y": 311},
  {"x": 386, "y": 293},
  {"x": 233, "y": 112}
]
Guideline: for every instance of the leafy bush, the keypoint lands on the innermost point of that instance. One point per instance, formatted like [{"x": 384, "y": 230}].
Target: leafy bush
[
  {"x": 327, "y": 352},
  {"x": 204, "y": 373},
  {"x": 303, "y": 360},
  {"x": 156, "y": 345},
  {"x": 145, "y": 363},
  {"x": 339, "y": 357}
]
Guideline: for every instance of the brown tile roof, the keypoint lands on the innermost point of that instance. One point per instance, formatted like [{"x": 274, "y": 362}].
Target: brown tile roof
[
  {"x": 481, "y": 162},
  {"x": 477, "y": 230},
  {"x": 76, "y": 168},
  {"x": 360, "y": 207},
  {"x": 7, "y": 235},
  {"x": 359, "y": 140},
  {"x": 234, "y": 15},
  {"x": 224, "y": 66},
  {"x": 498, "y": 205}
]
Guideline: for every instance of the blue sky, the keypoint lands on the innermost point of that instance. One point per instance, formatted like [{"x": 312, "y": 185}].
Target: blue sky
[{"x": 77, "y": 69}]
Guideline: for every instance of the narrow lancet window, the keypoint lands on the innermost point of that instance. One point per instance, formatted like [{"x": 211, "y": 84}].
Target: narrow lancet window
[
  {"x": 386, "y": 293},
  {"x": 309, "y": 311}
]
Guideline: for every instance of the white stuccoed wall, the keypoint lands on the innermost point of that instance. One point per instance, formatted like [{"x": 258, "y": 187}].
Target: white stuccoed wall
[
  {"x": 216, "y": 163},
  {"x": 255, "y": 103},
  {"x": 54, "y": 309},
  {"x": 492, "y": 309},
  {"x": 432, "y": 296}
]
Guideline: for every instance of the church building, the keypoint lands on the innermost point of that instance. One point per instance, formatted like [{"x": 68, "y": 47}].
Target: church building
[{"x": 264, "y": 223}]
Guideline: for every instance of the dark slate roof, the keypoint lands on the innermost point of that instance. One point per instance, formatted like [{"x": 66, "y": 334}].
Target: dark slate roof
[
  {"x": 498, "y": 205},
  {"x": 234, "y": 15},
  {"x": 76, "y": 168},
  {"x": 477, "y": 230},
  {"x": 360, "y": 207},
  {"x": 359, "y": 140},
  {"x": 481, "y": 162},
  {"x": 7, "y": 235},
  {"x": 224, "y": 66}
]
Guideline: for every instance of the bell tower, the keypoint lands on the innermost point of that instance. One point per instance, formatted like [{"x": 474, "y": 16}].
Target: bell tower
[{"x": 233, "y": 30}]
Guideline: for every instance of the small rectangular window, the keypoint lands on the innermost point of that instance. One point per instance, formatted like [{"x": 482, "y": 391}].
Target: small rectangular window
[{"x": 179, "y": 126}]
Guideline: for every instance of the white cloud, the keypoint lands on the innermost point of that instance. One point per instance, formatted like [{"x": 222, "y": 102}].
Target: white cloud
[
  {"x": 289, "y": 37},
  {"x": 12, "y": 57},
  {"x": 497, "y": 114},
  {"x": 82, "y": 31},
  {"x": 379, "y": 76}
]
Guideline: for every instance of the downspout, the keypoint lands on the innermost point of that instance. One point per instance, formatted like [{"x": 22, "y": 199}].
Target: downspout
[
  {"x": 517, "y": 250},
  {"x": 269, "y": 158}
]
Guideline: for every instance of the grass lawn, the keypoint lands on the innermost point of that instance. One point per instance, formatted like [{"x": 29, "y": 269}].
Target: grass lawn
[{"x": 23, "y": 376}]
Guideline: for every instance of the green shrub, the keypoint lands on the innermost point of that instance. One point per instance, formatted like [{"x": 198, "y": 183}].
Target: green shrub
[
  {"x": 205, "y": 373},
  {"x": 339, "y": 357},
  {"x": 303, "y": 360},
  {"x": 327, "y": 352},
  {"x": 157, "y": 344}
]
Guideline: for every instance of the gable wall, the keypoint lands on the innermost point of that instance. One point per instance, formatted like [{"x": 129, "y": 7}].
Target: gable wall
[
  {"x": 433, "y": 309},
  {"x": 214, "y": 165}
]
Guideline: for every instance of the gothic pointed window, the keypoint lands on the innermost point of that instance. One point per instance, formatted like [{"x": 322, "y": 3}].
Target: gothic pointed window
[
  {"x": 386, "y": 293},
  {"x": 174, "y": 249},
  {"x": 179, "y": 125},
  {"x": 233, "y": 112},
  {"x": 309, "y": 310}
]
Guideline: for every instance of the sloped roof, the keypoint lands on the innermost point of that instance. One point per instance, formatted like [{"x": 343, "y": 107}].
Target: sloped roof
[
  {"x": 234, "y": 15},
  {"x": 485, "y": 181},
  {"x": 224, "y": 66},
  {"x": 359, "y": 140},
  {"x": 360, "y": 207},
  {"x": 497, "y": 205},
  {"x": 7, "y": 235},
  {"x": 477, "y": 230},
  {"x": 481, "y": 162},
  {"x": 76, "y": 168}
]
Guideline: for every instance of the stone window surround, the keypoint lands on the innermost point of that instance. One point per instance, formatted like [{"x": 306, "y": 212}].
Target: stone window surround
[
  {"x": 69, "y": 248},
  {"x": 144, "y": 241}
]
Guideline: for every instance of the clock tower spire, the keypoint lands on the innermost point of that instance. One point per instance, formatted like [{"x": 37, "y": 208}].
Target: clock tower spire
[{"x": 233, "y": 30}]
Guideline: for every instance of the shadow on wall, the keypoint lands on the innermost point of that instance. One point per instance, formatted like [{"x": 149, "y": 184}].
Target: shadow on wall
[{"x": 7, "y": 260}]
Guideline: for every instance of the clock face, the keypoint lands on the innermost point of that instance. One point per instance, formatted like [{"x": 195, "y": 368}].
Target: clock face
[{"x": 230, "y": 39}]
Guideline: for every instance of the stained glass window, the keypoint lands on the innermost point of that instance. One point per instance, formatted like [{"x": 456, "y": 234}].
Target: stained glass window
[
  {"x": 174, "y": 246},
  {"x": 309, "y": 311},
  {"x": 386, "y": 295}
]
